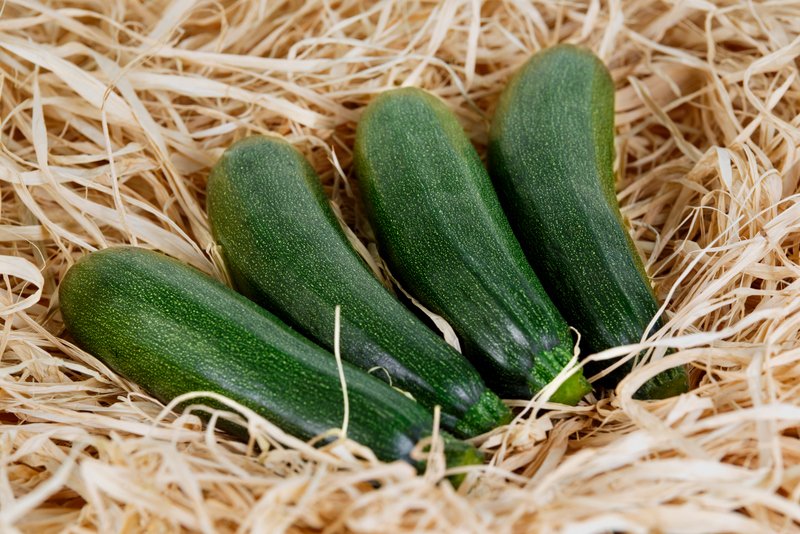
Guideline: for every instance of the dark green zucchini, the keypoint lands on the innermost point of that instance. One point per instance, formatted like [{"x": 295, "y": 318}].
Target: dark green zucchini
[
  {"x": 551, "y": 156},
  {"x": 287, "y": 251},
  {"x": 173, "y": 330},
  {"x": 441, "y": 228}
]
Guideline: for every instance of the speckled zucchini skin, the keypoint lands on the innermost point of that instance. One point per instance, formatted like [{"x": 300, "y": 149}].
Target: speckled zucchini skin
[
  {"x": 551, "y": 156},
  {"x": 172, "y": 330},
  {"x": 287, "y": 251},
  {"x": 440, "y": 226}
]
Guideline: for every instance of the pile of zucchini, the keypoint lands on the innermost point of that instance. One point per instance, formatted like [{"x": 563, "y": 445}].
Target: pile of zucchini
[{"x": 511, "y": 262}]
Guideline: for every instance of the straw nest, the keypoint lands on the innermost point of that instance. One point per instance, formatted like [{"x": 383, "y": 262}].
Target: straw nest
[{"x": 113, "y": 113}]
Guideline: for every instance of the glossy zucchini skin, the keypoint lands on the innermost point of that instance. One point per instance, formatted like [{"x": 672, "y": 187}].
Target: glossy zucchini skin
[
  {"x": 440, "y": 227},
  {"x": 551, "y": 155},
  {"x": 172, "y": 330},
  {"x": 287, "y": 251}
]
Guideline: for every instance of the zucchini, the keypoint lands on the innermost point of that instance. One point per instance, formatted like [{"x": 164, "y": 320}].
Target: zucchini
[
  {"x": 441, "y": 228},
  {"x": 287, "y": 251},
  {"x": 172, "y": 330},
  {"x": 551, "y": 154}
]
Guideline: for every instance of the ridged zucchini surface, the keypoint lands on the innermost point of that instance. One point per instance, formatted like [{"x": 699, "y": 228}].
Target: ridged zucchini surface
[
  {"x": 172, "y": 330},
  {"x": 441, "y": 228},
  {"x": 551, "y": 157},
  {"x": 287, "y": 251}
]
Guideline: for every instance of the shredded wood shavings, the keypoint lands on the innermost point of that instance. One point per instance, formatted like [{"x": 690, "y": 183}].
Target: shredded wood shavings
[{"x": 112, "y": 115}]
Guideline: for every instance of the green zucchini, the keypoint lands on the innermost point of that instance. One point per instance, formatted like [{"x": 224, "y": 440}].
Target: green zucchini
[
  {"x": 551, "y": 155},
  {"x": 287, "y": 251},
  {"x": 441, "y": 228},
  {"x": 172, "y": 330}
]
